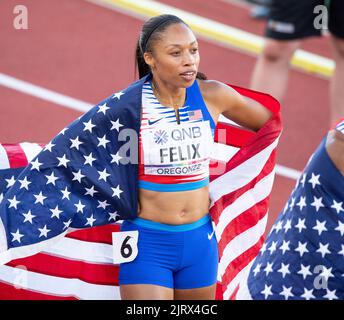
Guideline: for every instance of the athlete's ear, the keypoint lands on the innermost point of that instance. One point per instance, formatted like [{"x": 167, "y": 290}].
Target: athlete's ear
[{"x": 149, "y": 59}]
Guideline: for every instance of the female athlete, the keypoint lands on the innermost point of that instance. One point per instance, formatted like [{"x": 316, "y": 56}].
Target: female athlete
[{"x": 177, "y": 250}]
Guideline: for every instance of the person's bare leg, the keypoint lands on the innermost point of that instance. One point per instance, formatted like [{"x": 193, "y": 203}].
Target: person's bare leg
[
  {"x": 271, "y": 71},
  {"x": 204, "y": 293},
  {"x": 145, "y": 292},
  {"x": 337, "y": 82}
]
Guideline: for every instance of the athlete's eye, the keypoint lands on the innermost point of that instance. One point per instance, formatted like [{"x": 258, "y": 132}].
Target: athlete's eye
[
  {"x": 194, "y": 50},
  {"x": 175, "y": 53}
]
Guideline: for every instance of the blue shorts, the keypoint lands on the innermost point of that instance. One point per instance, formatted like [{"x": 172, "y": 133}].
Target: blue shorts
[{"x": 173, "y": 256}]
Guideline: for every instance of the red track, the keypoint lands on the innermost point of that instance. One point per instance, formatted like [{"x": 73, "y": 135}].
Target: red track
[{"x": 87, "y": 52}]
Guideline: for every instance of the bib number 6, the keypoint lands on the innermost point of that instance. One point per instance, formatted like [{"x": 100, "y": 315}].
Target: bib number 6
[
  {"x": 124, "y": 246},
  {"x": 126, "y": 249}
]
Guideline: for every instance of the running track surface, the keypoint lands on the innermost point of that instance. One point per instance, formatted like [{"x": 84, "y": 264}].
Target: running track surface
[{"x": 86, "y": 51}]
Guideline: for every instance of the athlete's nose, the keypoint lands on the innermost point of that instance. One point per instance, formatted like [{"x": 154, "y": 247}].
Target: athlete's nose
[{"x": 189, "y": 59}]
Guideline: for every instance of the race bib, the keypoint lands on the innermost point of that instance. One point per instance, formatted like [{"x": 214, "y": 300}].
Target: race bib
[
  {"x": 124, "y": 245},
  {"x": 177, "y": 150}
]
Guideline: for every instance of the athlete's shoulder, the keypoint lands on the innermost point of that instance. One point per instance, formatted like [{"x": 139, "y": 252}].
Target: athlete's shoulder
[
  {"x": 216, "y": 91},
  {"x": 213, "y": 87}
]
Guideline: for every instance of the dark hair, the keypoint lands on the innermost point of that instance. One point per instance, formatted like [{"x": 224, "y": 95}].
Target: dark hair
[{"x": 151, "y": 31}]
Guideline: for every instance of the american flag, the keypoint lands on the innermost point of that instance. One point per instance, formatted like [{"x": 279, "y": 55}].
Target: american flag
[
  {"x": 303, "y": 256},
  {"x": 80, "y": 266},
  {"x": 195, "y": 114},
  {"x": 238, "y": 175},
  {"x": 240, "y": 193}
]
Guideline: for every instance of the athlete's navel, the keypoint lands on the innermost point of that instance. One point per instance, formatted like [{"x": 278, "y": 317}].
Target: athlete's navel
[{"x": 182, "y": 213}]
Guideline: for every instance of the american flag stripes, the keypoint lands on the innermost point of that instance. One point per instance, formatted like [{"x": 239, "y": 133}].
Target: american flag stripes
[
  {"x": 240, "y": 194},
  {"x": 240, "y": 186},
  {"x": 303, "y": 256}
]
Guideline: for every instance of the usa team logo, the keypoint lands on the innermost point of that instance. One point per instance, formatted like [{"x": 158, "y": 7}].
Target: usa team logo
[{"x": 160, "y": 137}]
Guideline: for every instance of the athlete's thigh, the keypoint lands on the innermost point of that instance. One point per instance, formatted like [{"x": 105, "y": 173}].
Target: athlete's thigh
[
  {"x": 156, "y": 258},
  {"x": 197, "y": 273},
  {"x": 203, "y": 293},
  {"x": 145, "y": 292}
]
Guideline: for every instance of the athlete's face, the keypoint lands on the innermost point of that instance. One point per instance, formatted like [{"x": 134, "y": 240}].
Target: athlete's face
[{"x": 175, "y": 57}]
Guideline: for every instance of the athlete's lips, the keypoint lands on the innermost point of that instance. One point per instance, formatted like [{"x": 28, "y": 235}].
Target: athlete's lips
[
  {"x": 188, "y": 76},
  {"x": 188, "y": 73}
]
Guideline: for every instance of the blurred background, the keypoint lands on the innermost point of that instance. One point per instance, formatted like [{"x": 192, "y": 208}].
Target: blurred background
[{"x": 69, "y": 54}]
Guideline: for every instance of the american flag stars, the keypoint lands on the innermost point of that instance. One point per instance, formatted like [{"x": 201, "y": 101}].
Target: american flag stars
[
  {"x": 90, "y": 191},
  {"x": 338, "y": 206},
  {"x": 103, "y": 108},
  {"x": 28, "y": 216},
  {"x": 49, "y": 146},
  {"x": 118, "y": 95},
  {"x": 16, "y": 236},
  {"x": 35, "y": 165},
  {"x": 13, "y": 202},
  {"x": 80, "y": 207},
  {"x": 65, "y": 193},
  {"x": 317, "y": 203},
  {"x": 103, "y": 141},
  {"x": 314, "y": 180},
  {"x": 10, "y": 182},
  {"x": 102, "y": 204},
  {"x": 116, "y": 192},
  {"x": 88, "y": 126},
  {"x": 103, "y": 175},
  {"x": 63, "y": 161},
  {"x": 24, "y": 183},
  {"x": 43, "y": 231},
  {"x": 51, "y": 178},
  {"x": 71, "y": 183},
  {"x": 78, "y": 176},
  {"x": 116, "y": 125},
  {"x": 89, "y": 159},
  {"x": 113, "y": 216},
  {"x": 75, "y": 143},
  {"x": 39, "y": 198},
  {"x": 116, "y": 158},
  {"x": 90, "y": 221},
  {"x": 306, "y": 241},
  {"x": 302, "y": 203},
  {"x": 56, "y": 212}
]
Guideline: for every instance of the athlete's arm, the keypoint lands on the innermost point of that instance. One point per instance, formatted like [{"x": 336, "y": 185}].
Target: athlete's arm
[
  {"x": 228, "y": 102},
  {"x": 335, "y": 149}
]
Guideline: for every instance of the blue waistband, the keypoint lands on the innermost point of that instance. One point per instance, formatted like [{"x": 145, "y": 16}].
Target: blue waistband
[
  {"x": 169, "y": 227},
  {"x": 164, "y": 187}
]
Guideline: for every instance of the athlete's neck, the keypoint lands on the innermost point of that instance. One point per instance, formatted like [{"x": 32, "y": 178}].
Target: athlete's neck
[{"x": 167, "y": 94}]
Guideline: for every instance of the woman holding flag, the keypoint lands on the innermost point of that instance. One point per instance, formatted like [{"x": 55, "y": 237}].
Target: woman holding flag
[{"x": 177, "y": 253}]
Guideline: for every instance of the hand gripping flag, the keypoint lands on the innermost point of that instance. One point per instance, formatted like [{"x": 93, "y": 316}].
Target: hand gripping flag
[
  {"x": 303, "y": 256},
  {"x": 87, "y": 253}
]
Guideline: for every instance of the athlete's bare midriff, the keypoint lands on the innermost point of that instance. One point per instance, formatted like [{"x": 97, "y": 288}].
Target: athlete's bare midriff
[
  {"x": 174, "y": 207},
  {"x": 178, "y": 207}
]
